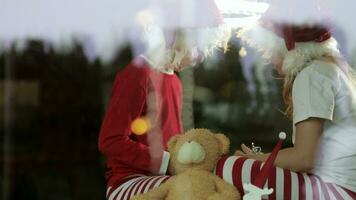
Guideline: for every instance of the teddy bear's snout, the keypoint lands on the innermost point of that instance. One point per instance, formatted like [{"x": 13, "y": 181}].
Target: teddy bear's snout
[{"x": 191, "y": 152}]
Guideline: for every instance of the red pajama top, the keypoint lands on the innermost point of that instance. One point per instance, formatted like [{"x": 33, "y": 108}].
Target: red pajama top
[{"x": 127, "y": 153}]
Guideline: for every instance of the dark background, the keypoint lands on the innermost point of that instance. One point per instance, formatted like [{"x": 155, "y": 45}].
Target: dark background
[{"x": 54, "y": 101}]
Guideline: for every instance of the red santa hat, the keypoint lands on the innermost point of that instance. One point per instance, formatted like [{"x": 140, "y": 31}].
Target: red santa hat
[
  {"x": 200, "y": 21},
  {"x": 297, "y": 29},
  {"x": 191, "y": 14}
]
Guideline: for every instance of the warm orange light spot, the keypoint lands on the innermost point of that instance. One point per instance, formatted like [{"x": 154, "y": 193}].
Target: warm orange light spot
[{"x": 140, "y": 126}]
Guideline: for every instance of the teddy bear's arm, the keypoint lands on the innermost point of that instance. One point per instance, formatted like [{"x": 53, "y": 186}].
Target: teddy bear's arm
[
  {"x": 225, "y": 191},
  {"x": 158, "y": 193}
]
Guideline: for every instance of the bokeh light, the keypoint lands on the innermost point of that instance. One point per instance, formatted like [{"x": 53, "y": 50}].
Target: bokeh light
[
  {"x": 243, "y": 52},
  {"x": 140, "y": 126}
]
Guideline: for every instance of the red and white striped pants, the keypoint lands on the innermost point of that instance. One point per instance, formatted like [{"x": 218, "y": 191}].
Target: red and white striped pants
[{"x": 287, "y": 185}]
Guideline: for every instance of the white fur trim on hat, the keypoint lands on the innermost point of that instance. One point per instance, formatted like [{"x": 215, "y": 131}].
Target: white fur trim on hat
[
  {"x": 296, "y": 59},
  {"x": 268, "y": 43}
]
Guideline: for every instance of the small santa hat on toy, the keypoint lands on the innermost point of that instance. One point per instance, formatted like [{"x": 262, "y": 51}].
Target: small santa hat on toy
[
  {"x": 297, "y": 29},
  {"x": 261, "y": 178},
  {"x": 255, "y": 190}
]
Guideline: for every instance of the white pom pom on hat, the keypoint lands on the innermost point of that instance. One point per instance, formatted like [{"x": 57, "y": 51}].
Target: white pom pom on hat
[{"x": 282, "y": 135}]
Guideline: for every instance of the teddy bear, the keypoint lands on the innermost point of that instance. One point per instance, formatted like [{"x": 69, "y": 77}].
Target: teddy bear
[{"x": 193, "y": 158}]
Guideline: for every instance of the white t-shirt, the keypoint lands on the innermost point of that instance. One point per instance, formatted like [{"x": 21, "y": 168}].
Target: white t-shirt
[{"x": 323, "y": 90}]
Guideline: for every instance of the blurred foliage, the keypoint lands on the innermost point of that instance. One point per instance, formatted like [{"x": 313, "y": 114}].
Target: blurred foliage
[{"x": 53, "y": 140}]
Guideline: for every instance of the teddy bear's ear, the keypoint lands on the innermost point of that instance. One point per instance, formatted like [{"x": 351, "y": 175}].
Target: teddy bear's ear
[
  {"x": 172, "y": 142},
  {"x": 224, "y": 141}
]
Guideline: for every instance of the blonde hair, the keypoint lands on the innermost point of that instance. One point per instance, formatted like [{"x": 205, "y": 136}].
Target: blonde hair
[
  {"x": 287, "y": 95},
  {"x": 289, "y": 81}
]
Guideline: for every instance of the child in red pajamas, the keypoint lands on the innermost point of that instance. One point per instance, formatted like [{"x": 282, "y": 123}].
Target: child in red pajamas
[
  {"x": 149, "y": 90},
  {"x": 129, "y": 154}
]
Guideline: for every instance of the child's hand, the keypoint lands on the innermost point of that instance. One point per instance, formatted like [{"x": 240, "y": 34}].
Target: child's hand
[
  {"x": 245, "y": 151},
  {"x": 252, "y": 153}
]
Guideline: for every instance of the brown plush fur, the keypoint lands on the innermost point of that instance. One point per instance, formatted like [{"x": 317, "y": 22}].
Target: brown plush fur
[{"x": 195, "y": 181}]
